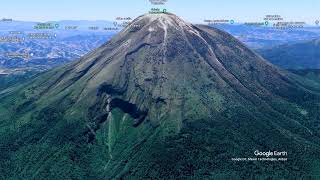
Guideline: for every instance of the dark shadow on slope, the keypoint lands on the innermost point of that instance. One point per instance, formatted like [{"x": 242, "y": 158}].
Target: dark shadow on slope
[
  {"x": 130, "y": 109},
  {"x": 109, "y": 89}
]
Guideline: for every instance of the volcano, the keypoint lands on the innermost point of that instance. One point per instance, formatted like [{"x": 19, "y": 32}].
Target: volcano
[{"x": 163, "y": 99}]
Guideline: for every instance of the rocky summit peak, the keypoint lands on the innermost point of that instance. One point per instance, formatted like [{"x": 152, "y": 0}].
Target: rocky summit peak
[
  {"x": 162, "y": 20},
  {"x": 159, "y": 17}
]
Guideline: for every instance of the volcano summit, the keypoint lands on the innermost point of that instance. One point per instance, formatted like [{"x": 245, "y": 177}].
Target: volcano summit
[{"x": 163, "y": 99}]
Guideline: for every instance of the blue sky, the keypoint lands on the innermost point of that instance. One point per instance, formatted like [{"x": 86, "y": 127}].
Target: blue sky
[{"x": 192, "y": 10}]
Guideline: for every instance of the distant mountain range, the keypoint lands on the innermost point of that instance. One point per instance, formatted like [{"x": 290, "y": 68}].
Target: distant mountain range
[
  {"x": 45, "y": 48},
  {"x": 257, "y": 37},
  {"x": 49, "y": 53},
  {"x": 312, "y": 74},
  {"x": 304, "y": 55}
]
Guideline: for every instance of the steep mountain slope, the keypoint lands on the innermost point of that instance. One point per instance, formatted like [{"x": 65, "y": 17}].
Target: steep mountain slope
[
  {"x": 163, "y": 99},
  {"x": 305, "y": 55}
]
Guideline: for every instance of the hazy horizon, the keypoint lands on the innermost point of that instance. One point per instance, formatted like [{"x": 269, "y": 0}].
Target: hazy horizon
[{"x": 195, "y": 12}]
